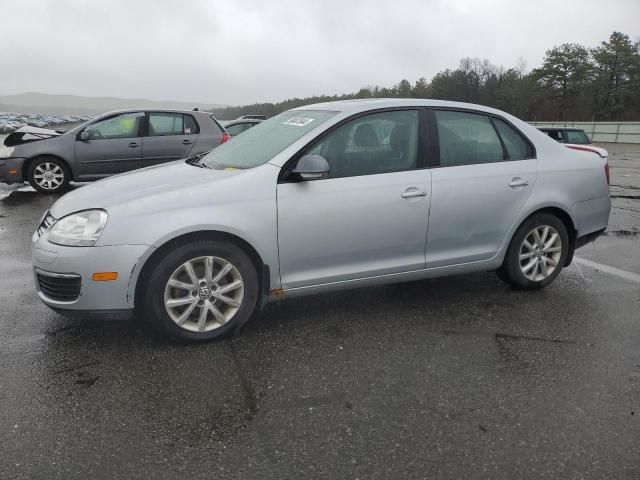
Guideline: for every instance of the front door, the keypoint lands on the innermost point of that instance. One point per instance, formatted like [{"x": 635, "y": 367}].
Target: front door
[
  {"x": 170, "y": 136},
  {"x": 486, "y": 173},
  {"x": 369, "y": 217},
  {"x": 113, "y": 145}
]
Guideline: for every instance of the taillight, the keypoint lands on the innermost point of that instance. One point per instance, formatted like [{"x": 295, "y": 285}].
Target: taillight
[
  {"x": 585, "y": 149},
  {"x": 225, "y": 138},
  {"x": 606, "y": 172}
]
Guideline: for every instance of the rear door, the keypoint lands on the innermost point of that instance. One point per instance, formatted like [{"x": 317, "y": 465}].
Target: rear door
[
  {"x": 113, "y": 145},
  {"x": 486, "y": 172},
  {"x": 169, "y": 136}
]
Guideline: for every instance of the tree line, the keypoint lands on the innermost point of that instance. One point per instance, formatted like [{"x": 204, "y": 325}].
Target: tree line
[{"x": 573, "y": 83}]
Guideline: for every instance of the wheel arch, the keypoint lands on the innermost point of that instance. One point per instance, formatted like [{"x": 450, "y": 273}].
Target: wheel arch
[
  {"x": 564, "y": 216},
  {"x": 262, "y": 269}
]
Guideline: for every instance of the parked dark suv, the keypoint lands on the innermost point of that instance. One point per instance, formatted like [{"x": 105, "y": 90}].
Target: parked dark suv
[
  {"x": 113, "y": 143},
  {"x": 574, "y": 136}
]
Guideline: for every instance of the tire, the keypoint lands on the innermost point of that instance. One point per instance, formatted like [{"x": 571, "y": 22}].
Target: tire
[
  {"x": 541, "y": 263},
  {"x": 184, "y": 321},
  {"x": 49, "y": 175}
]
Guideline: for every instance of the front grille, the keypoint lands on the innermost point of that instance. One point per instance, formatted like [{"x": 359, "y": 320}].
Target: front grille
[
  {"x": 47, "y": 221},
  {"x": 63, "y": 288}
]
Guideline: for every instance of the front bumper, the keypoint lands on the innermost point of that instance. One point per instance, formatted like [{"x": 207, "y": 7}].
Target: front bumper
[
  {"x": 11, "y": 170},
  {"x": 111, "y": 296}
]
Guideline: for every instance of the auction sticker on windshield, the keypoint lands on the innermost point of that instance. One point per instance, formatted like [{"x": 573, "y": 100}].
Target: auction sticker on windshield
[{"x": 298, "y": 121}]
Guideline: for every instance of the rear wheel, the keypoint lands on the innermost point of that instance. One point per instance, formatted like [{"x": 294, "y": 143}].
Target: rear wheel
[
  {"x": 537, "y": 253},
  {"x": 49, "y": 175},
  {"x": 201, "y": 291}
]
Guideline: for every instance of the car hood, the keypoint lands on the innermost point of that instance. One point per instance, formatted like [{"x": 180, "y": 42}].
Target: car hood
[
  {"x": 168, "y": 184},
  {"x": 29, "y": 134}
]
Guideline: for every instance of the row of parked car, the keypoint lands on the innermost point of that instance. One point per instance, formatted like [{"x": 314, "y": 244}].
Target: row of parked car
[
  {"x": 118, "y": 142},
  {"x": 112, "y": 143},
  {"x": 319, "y": 198}
]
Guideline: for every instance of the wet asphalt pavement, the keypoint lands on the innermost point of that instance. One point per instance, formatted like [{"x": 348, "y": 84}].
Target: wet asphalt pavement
[{"x": 451, "y": 378}]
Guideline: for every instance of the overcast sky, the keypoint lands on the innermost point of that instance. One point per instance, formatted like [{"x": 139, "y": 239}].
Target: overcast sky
[{"x": 244, "y": 51}]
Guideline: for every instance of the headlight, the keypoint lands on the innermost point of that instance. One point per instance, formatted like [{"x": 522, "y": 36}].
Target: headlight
[
  {"x": 80, "y": 229},
  {"x": 6, "y": 152}
]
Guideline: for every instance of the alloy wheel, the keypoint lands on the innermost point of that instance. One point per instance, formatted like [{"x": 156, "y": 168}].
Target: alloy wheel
[
  {"x": 204, "y": 293},
  {"x": 48, "y": 176},
  {"x": 540, "y": 253}
]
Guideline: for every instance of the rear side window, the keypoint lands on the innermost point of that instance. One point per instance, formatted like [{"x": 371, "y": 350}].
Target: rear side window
[
  {"x": 162, "y": 124},
  {"x": 467, "y": 139},
  {"x": 190, "y": 125},
  {"x": 517, "y": 147}
]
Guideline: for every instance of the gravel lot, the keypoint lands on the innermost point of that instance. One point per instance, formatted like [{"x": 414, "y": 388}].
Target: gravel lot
[{"x": 450, "y": 378}]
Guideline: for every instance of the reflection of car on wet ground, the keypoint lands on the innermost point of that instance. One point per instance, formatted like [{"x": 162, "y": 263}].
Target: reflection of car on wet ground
[
  {"x": 115, "y": 142},
  {"x": 236, "y": 127},
  {"x": 574, "y": 138},
  {"x": 319, "y": 198}
]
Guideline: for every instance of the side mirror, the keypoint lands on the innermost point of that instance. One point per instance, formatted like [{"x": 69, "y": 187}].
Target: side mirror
[
  {"x": 84, "y": 135},
  {"x": 311, "y": 167}
]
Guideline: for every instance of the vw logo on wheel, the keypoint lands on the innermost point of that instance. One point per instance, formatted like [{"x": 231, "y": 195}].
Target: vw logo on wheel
[{"x": 205, "y": 292}]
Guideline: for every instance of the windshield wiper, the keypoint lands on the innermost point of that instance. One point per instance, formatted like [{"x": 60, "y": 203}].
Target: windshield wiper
[{"x": 196, "y": 160}]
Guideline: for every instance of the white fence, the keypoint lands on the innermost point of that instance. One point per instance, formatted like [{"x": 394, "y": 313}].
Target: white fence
[{"x": 605, "y": 132}]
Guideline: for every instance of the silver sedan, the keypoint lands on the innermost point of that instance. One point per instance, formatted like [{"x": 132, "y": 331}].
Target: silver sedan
[{"x": 323, "y": 197}]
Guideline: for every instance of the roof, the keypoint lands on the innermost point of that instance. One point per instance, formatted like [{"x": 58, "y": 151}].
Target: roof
[
  {"x": 365, "y": 104},
  {"x": 169, "y": 110},
  {"x": 561, "y": 128}
]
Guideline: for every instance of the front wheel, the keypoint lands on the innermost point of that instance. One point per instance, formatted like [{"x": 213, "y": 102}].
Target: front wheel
[
  {"x": 49, "y": 175},
  {"x": 537, "y": 253},
  {"x": 201, "y": 291}
]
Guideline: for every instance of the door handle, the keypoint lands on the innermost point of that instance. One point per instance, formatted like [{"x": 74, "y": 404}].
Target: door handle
[
  {"x": 413, "y": 193},
  {"x": 132, "y": 144},
  {"x": 518, "y": 182},
  {"x": 187, "y": 142}
]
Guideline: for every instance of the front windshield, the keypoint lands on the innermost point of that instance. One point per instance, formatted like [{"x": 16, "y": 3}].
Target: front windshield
[{"x": 261, "y": 143}]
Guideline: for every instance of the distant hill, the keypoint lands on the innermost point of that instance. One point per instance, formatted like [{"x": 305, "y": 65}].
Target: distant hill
[{"x": 65, "y": 104}]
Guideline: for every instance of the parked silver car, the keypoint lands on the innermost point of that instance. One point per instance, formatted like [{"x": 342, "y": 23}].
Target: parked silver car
[
  {"x": 323, "y": 197},
  {"x": 236, "y": 127},
  {"x": 115, "y": 142}
]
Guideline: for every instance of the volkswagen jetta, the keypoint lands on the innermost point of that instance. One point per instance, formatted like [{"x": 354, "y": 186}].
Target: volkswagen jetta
[{"x": 322, "y": 197}]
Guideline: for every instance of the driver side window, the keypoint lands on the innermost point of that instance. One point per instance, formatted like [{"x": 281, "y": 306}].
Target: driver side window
[
  {"x": 121, "y": 126},
  {"x": 372, "y": 144}
]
